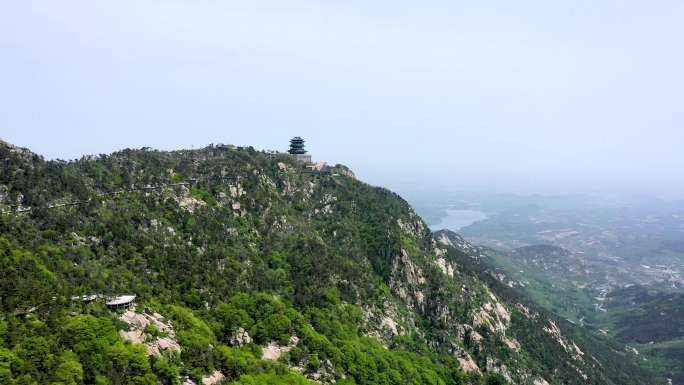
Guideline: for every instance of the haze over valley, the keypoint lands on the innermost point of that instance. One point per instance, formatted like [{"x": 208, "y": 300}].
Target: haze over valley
[{"x": 613, "y": 266}]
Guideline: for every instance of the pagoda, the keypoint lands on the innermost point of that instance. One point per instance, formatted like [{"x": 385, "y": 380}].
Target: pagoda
[{"x": 297, "y": 150}]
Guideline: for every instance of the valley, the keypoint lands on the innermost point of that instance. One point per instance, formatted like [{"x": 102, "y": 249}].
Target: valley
[{"x": 614, "y": 267}]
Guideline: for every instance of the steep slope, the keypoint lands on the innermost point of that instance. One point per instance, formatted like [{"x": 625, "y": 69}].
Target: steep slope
[
  {"x": 248, "y": 269},
  {"x": 557, "y": 279},
  {"x": 537, "y": 328}
]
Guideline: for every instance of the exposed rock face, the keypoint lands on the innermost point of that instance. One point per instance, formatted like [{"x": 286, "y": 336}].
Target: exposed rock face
[
  {"x": 467, "y": 363},
  {"x": 540, "y": 381},
  {"x": 343, "y": 170},
  {"x": 237, "y": 209},
  {"x": 495, "y": 317},
  {"x": 190, "y": 203},
  {"x": 414, "y": 227},
  {"x": 133, "y": 336},
  {"x": 389, "y": 324},
  {"x": 317, "y": 167},
  {"x": 327, "y": 203},
  {"x": 138, "y": 322},
  {"x": 495, "y": 366},
  {"x": 473, "y": 336},
  {"x": 280, "y": 225},
  {"x": 213, "y": 379},
  {"x": 569, "y": 346},
  {"x": 385, "y": 322},
  {"x": 502, "y": 313},
  {"x": 512, "y": 343},
  {"x": 236, "y": 191},
  {"x": 526, "y": 311},
  {"x": 409, "y": 278},
  {"x": 273, "y": 350},
  {"x": 445, "y": 266},
  {"x": 324, "y": 374},
  {"x": 241, "y": 337},
  {"x": 413, "y": 274},
  {"x": 451, "y": 239},
  {"x": 22, "y": 152},
  {"x": 187, "y": 202}
]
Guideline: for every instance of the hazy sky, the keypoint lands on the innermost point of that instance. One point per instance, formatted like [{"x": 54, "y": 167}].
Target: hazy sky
[{"x": 506, "y": 95}]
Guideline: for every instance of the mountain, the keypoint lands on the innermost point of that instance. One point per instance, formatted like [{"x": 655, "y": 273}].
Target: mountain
[
  {"x": 249, "y": 268},
  {"x": 645, "y": 321}
]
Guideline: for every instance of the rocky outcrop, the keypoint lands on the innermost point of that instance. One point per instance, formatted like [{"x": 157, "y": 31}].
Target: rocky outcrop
[
  {"x": 413, "y": 226},
  {"x": 236, "y": 190},
  {"x": 326, "y": 204},
  {"x": 273, "y": 351},
  {"x": 187, "y": 202},
  {"x": 344, "y": 170},
  {"x": 466, "y": 362},
  {"x": 214, "y": 378},
  {"x": 569, "y": 346},
  {"x": 21, "y": 152},
  {"x": 446, "y": 238},
  {"x": 151, "y": 331},
  {"x": 406, "y": 280},
  {"x": 240, "y": 337},
  {"x": 495, "y": 366},
  {"x": 385, "y": 323},
  {"x": 446, "y": 267},
  {"x": 493, "y": 316}
]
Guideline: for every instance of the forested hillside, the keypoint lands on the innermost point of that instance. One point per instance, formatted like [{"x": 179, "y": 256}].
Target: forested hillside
[{"x": 249, "y": 270}]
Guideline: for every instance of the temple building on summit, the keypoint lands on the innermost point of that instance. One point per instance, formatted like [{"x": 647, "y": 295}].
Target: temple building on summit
[{"x": 298, "y": 151}]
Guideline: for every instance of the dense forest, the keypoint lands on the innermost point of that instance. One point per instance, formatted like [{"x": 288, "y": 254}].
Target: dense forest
[{"x": 249, "y": 270}]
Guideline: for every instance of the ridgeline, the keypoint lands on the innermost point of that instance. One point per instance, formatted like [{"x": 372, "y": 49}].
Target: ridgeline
[{"x": 248, "y": 269}]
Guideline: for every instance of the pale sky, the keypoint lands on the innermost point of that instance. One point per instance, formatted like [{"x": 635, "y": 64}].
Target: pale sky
[{"x": 528, "y": 95}]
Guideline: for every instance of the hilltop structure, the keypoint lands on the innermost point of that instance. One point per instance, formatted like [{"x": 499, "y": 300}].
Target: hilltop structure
[{"x": 298, "y": 151}]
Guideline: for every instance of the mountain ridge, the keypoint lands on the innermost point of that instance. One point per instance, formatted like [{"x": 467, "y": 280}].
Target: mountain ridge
[{"x": 255, "y": 228}]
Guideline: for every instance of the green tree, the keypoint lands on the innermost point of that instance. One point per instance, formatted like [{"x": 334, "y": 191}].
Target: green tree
[{"x": 69, "y": 371}]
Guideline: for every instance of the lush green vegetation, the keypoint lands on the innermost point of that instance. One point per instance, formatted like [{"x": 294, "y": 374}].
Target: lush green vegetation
[
  {"x": 652, "y": 322},
  {"x": 250, "y": 245}
]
